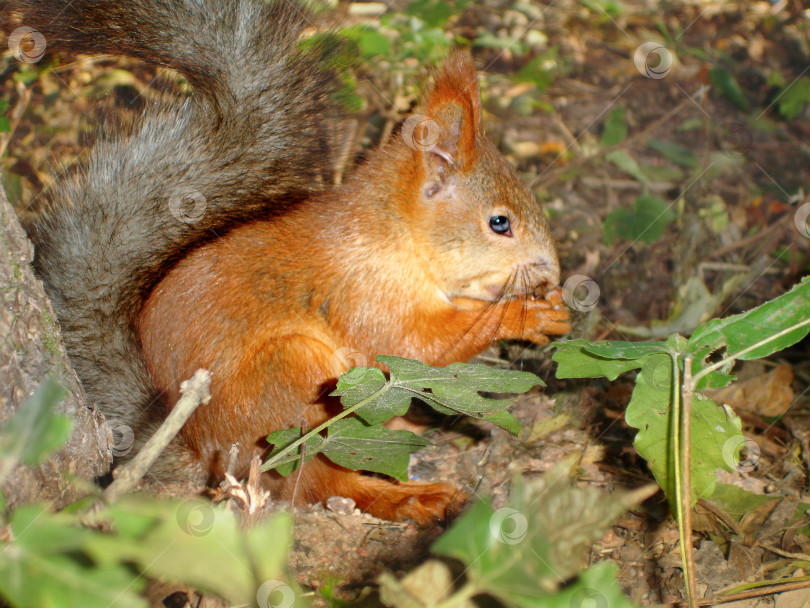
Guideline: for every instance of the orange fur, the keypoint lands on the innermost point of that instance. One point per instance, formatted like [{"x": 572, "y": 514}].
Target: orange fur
[{"x": 398, "y": 261}]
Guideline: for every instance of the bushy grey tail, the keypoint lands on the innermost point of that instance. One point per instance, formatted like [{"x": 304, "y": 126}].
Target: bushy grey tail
[{"x": 254, "y": 136}]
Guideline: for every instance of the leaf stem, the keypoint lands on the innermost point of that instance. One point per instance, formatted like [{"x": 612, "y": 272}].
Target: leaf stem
[
  {"x": 676, "y": 465},
  {"x": 686, "y": 499},
  {"x": 275, "y": 460},
  {"x": 733, "y": 357}
]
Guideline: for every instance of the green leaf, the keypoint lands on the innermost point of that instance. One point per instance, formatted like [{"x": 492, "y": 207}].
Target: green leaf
[
  {"x": 360, "y": 383},
  {"x": 35, "y": 430},
  {"x": 59, "y": 581},
  {"x": 194, "y": 542},
  {"x": 523, "y": 553},
  {"x": 39, "y": 567},
  {"x": 795, "y": 98},
  {"x": 596, "y": 586},
  {"x": 647, "y": 221},
  {"x": 713, "y": 428},
  {"x": 434, "y": 13},
  {"x": 462, "y": 388},
  {"x": 756, "y": 333},
  {"x": 575, "y": 360},
  {"x": 373, "y": 44},
  {"x": 456, "y": 388},
  {"x": 626, "y": 163},
  {"x": 353, "y": 444},
  {"x": 283, "y": 438},
  {"x": 505, "y": 420},
  {"x": 626, "y": 350},
  {"x": 678, "y": 154},
  {"x": 737, "y": 503},
  {"x": 615, "y": 131},
  {"x": 729, "y": 87},
  {"x": 5, "y": 125},
  {"x": 537, "y": 72}
]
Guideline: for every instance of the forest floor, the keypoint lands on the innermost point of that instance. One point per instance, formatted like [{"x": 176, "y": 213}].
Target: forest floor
[{"x": 675, "y": 185}]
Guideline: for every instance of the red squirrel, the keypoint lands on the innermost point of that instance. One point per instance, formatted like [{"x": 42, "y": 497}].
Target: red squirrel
[{"x": 432, "y": 249}]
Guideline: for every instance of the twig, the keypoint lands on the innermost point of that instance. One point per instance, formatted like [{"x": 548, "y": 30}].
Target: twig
[
  {"x": 16, "y": 114},
  {"x": 195, "y": 391},
  {"x": 759, "y": 592},
  {"x": 750, "y": 239},
  {"x": 300, "y": 470}
]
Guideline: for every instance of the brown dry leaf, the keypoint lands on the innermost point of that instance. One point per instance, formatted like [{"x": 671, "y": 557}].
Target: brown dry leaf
[{"x": 769, "y": 394}]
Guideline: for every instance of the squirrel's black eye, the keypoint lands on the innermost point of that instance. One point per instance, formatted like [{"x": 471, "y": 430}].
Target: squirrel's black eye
[{"x": 500, "y": 224}]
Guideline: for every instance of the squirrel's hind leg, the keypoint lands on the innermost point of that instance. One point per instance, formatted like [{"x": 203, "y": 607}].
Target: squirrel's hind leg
[{"x": 424, "y": 503}]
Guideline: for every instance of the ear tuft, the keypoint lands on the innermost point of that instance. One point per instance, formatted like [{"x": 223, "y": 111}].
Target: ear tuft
[{"x": 454, "y": 106}]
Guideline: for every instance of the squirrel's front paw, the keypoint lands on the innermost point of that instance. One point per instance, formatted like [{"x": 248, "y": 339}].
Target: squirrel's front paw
[{"x": 546, "y": 317}]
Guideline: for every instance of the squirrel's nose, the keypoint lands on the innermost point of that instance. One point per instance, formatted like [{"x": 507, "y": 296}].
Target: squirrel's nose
[{"x": 544, "y": 274}]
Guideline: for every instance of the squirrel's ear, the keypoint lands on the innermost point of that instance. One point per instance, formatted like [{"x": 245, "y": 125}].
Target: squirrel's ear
[{"x": 452, "y": 119}]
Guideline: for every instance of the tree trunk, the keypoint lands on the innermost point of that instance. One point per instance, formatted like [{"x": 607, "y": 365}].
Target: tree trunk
[{"x": 30, "y": 350}]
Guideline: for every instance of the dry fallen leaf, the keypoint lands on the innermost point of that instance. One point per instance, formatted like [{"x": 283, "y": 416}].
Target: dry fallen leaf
[{"x": 768, "y": 394}]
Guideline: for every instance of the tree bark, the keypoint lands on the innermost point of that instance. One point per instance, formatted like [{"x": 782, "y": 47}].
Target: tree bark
[{"x": 30, "y": 350}]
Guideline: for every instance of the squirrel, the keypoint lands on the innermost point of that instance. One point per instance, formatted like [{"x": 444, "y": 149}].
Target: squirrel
[{"x": 432, "y": 249}]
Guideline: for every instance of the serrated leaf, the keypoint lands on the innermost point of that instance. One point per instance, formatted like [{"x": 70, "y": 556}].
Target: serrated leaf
[
  {"x": 40, "y": 568},
  {"x": 729, "y": 87},
  {"x": 522, "y": 553},
  {"x": 35, "y": 430},
  {"x": 59, "y": 581},
  {"x": 678, "y": 154},
  {"x": 615, "y": 131},
  {"x": 462, "y": 388},
  {"x": 759, "y": 332},
  {"x": 353, "y": 444},
  {"x": 361, "y": 383},
  {"x": 713, "y": 428},
  {"x": 194, "y": 542}
]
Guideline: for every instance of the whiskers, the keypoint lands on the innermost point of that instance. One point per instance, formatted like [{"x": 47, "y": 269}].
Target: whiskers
[{"x": 519, "y": 286}]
